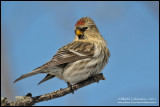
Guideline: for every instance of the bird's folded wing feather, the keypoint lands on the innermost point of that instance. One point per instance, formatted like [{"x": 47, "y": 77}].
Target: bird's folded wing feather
[
  {"x": 67, "y": 54},
  {"x": 70, "y": 53}
]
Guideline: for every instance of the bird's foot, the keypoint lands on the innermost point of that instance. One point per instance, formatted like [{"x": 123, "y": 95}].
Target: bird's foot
[
  {"x": 99, "y": 77},
  {"x": 96, "y": 79},
  {"x": 70, "y": 85}
]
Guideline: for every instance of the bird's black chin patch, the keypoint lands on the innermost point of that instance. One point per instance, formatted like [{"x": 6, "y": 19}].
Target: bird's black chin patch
[{"x": 80, "y": 36}]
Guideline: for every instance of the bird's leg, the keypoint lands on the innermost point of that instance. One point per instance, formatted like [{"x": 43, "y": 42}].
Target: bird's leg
[{"x": 70, "y": 85}]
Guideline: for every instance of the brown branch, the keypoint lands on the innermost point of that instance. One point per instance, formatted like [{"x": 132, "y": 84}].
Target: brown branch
[{"x": 28, "y": 100}]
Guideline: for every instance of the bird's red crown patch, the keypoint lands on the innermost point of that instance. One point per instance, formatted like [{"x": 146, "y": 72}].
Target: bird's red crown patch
[{"x": 80, "y": 22}]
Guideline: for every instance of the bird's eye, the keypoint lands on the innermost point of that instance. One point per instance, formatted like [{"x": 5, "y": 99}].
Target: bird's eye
[{"x": 83, "y": 29}]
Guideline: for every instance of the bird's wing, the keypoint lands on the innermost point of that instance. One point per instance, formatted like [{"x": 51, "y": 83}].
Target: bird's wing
[
  {"x": 70, "y": 53},
  {"x": 67, "y": 54}
]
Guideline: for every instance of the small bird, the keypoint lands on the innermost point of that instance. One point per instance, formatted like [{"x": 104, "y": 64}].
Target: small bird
[{"x": 85, "y": 57}]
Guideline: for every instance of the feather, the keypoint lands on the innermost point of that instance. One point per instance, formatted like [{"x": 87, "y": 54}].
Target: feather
[
  {"x": 27, "y": 75},
  {"x": 67, "y": 54},
  {"x": 70, "y": 53},
  {"x": 47, "y": 77}
]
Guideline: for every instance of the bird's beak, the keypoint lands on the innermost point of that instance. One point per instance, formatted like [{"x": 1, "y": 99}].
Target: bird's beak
[{"x": 78, "y": 32}]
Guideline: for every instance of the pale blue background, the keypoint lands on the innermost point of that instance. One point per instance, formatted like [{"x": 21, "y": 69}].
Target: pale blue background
[{"x": 32, "y": 32}]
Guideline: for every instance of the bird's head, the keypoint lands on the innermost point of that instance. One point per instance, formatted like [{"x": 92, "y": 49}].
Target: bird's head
[{"x": 85, "y": 28}]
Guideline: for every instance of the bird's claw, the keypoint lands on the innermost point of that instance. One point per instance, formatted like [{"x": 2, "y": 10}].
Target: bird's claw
[
  {"x": 96, "y": 79},
  {"x": 69, "y": 85}
]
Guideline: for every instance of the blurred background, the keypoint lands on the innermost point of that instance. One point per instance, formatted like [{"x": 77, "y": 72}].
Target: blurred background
[{"x": 33, "y": 31}]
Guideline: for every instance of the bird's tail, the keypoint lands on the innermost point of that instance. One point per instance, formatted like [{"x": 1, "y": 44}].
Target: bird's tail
[
  {"x": 34, "y": 72},
  {"x": 48, "y": 76}
]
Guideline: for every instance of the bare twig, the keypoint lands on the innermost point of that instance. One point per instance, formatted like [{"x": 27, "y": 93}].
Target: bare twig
[{"x": 28, "y": 100}]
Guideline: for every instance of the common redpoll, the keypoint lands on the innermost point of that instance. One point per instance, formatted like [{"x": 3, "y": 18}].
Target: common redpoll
[{"x": 85, "y": 57}]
